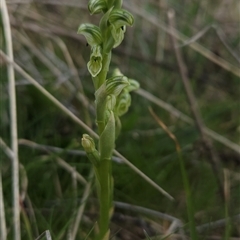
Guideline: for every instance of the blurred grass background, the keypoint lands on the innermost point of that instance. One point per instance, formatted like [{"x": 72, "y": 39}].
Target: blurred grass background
[{"x": 46, "y": 46}]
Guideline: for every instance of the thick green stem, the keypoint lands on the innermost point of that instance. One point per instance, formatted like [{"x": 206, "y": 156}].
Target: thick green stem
[
  {"x": 104, "y": 167},
  {"x": 104, "y": 198}
]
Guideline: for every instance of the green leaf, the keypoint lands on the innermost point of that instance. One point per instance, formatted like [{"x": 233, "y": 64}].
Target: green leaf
[{"x": 107, "y": 138}]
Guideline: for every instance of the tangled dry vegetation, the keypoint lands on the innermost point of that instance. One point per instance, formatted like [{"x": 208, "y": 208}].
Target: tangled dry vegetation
[{"x": 186, "y": 58}]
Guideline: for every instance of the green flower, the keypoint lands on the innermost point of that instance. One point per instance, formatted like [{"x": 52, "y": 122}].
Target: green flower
[
  {"x": 118, "y": 35},
  {"x": 118, "y": 19},
  {"x": 121, "y": 17},
  {"x": 95, "y": 63},
  {"x": 92, "y": 33},
  {"x": 124, "y": 99},
  {"x": 97, "y": 6}
]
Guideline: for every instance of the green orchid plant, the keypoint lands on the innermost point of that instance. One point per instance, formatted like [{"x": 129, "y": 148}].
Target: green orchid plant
[{"x": 112, "y": 98}]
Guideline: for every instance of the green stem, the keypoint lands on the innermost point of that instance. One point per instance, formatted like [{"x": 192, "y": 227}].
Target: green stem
[
  {"x": 101, "y": 102},
  {"x": 104, "y": 167},
  {"x": 105, "y": 67},
  {"x": 105, "y": 197}
]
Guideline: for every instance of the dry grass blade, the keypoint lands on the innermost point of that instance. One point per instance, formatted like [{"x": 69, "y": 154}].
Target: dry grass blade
[
  {"x": 82, "y": 124},
  {"x": 146, "y": 178},
  {"x": 145, "y": 211},
  {"x": 220, "y": 35},
  {"x": 214, "y": 159},
  {"x": 74, "y": 152},
  {"x": 59, "y": 161},
  {"x": 82, "y": 206},
  {"x": 13, "y": 122},
  {"x": 3, "y": 228},
  {"x": 71, "y": 169},
  {"x": 52, "y": 2},
  {"x": 45, "y": 234},
  {"x": 189, "y": 201},
  {"x": 6, "y": 149},
  {"x": 175, "y": 112},
  {"x": 217, "y": 224},
  {"x": 48, "y": 95},
  {"x": 195, "y": 46},
  {"x": 165, "y": 128}
]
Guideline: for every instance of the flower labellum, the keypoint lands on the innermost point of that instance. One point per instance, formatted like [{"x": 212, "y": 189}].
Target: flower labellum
[
  {"x": 95, "y": 63},
  {"x": 118, "y": 19}
]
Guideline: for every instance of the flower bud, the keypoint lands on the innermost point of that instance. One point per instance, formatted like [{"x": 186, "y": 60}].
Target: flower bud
[
  {"x": 88, "y": 143},
  {"x": 134, "y": 85},
  {"x": 117, "y": 72},
  {"x": 116, "y": 84},
  {"x": 89, "y": 147},
  {"x": 123, "y": 103},
  {"x": 97, "y": 6},
  {"x": 92, "y": 33}
]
